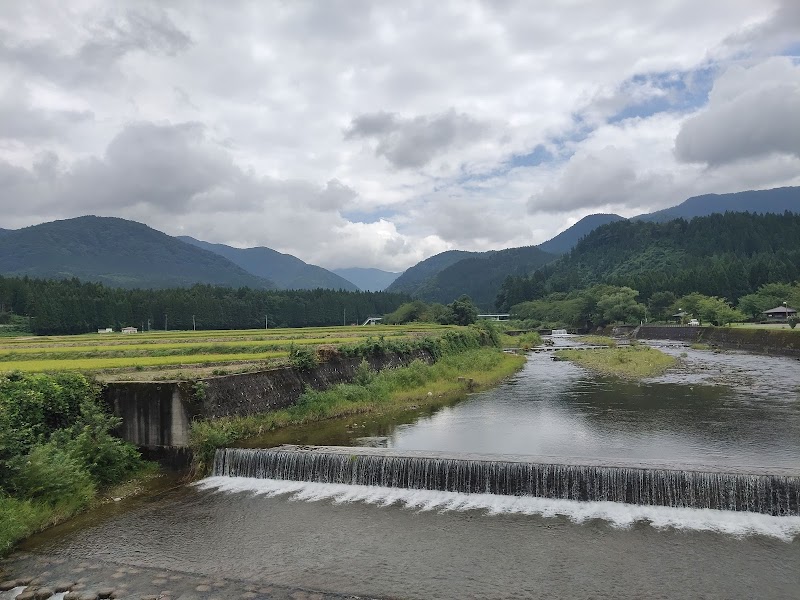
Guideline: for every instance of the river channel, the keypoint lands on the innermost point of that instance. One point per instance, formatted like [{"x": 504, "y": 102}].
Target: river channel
[{"x": 724, "y": 409}]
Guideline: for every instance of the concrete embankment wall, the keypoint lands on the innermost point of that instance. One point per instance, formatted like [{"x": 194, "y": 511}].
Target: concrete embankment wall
[
  {"x": 157, "y": 415},
  {"x": 782, "y": 342}
]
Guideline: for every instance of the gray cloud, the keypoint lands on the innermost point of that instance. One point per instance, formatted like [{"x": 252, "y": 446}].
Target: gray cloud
[
  {"x": 20, "y": 120},
  {"x": 411, "y": 143},
  {"x": 95, "y": 59},
  {"x": 752, "y": 112},
  {"x": 593, "y": 180}
]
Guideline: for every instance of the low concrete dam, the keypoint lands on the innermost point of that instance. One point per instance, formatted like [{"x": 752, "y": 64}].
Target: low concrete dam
[{"x": 776, "y": 494}]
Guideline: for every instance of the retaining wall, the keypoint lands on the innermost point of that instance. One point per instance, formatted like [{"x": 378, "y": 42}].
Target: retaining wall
[
  {"x": 157, "y": 415},
  {"x": 783, "y": 342}
]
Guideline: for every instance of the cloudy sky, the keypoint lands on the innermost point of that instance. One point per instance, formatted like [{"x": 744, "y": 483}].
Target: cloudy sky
[{"x": 375, "y": 134}]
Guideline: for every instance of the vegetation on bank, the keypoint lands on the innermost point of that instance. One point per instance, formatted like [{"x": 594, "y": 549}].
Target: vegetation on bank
[
  {"x": 635, "y": 362},
  {"x": 467, "y": 360},
  {"x": 56, "y": 451}
]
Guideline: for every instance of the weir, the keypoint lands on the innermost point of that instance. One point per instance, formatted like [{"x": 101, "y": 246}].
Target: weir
[{"x": 775, "y": 494}]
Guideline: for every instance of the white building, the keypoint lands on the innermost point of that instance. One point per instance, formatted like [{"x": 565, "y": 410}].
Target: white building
[{"x": 130, "y": 330}]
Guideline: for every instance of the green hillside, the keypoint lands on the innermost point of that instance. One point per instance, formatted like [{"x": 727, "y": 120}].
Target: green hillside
[
  {"x": 115, "y": 252},
  {"x": 481, "y": 276},
  {"x": 410, "y": 281},
  {"x": 287, "y": 271},
  {"x": 726, "y": 255},
  {"x": 566, "y": 240}
]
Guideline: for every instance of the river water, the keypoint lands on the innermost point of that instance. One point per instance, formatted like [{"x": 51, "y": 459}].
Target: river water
[{"x": 724, "y": 409}]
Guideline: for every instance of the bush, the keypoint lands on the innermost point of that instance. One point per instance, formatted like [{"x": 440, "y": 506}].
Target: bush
[
  {"x": 303, "y": 358},
  {"x": 51, "y": 475},
  {"x": 793, "y": 321}
]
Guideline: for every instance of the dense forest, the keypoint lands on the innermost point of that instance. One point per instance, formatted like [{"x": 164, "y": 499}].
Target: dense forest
[
  {"x": 726, "y": 255},
  {"x": 71, "y": 306}
]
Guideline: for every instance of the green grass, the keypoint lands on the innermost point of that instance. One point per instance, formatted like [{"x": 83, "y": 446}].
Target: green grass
[
  {"x": 598, "y": 340},
  {"x": 20, "y": 519},
  {"x": 394, "y": 389},
  {"x": 633, "y": 363}
]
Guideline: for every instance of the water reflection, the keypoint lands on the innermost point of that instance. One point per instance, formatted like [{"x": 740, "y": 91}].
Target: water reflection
[{"x": 719, "y": 408}]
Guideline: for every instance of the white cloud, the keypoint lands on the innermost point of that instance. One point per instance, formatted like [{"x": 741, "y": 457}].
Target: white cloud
[{"x": 266, "y": 123}]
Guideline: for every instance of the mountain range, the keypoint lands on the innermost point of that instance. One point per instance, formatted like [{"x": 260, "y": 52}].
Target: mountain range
[
  {"x": 433, "y": 279},
  {"x": 287, "y": 271},
  {"x": 117, "y": 253},
  {"x": 124, "y": 253}
]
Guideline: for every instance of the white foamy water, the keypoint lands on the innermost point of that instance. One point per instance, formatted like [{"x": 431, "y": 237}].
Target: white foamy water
[
  {"x": 616, "y": 514},
  {"x": 12, "y": 593}
]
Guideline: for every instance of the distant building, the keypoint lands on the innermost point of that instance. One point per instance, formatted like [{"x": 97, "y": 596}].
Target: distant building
[
  {"x": 372, "y": 321},
  {"x": 130, "y": 330},
  {"x": 780, "y": 313},
  {"x": 106, "y": 330}
]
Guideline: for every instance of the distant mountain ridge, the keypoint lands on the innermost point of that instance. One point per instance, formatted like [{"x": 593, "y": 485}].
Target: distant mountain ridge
[
  {"x": 410, "y": 281},
  {"x": 369, "y": 280},
  {"x": 286, "y": 271},
  {"x": 115, "y": 252},
  {"x": 481, "y": 275},
  {"x": 425, "y": 281},
  {"x": 566, "y": 240},
  {"x": 776, "y": 200}
]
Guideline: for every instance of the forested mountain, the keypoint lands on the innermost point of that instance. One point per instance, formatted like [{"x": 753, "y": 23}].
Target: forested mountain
[
  {"x": 369, "y": 280},
  {"x": 71, "y": 306},
  {"x": 566, "y": 240},
  {"x": 286, "y": 271},
  {"x": 115, "y": 252},
  {"x": 412, "y": 278},
  {"x": 726, "y": 255},
  {"x": 778, "y": 201},
  {"x": 3, "y": 231},
  {"x": 480, "y": 276}
]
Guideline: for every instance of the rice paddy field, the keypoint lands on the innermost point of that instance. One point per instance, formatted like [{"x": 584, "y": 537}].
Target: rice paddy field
[{"x": 169, "y": 355}]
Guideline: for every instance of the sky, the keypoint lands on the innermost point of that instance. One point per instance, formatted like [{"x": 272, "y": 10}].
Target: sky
[{"x": 376, "y": 134}]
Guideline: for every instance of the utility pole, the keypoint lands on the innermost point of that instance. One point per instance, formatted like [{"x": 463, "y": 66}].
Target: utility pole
[
  {"x": 194, "y": 324},
  {"x": 165, "y": 321},
  {"x": 266, "y": 321},
  {"x": 344, "y": 317}
]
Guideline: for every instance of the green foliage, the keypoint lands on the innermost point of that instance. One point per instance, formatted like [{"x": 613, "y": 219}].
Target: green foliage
[
  {"x": 708, "y": 309},
  {"x": 594, "y": 306},
  {"x": 70, "y": 306},
  {"x": 461, "y": 312},
  {"x": 49, "y": 473},
  {"x": 770, "y": 295},
  {"x": 364, "y": 374},
  {"x": 529, "y": 340},
  {"x": 793, "y": 321},
  {"x": 303, "y": 358},
  {"x": 722, "y": 255}
]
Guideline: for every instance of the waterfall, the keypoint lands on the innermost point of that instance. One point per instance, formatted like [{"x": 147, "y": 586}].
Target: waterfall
[{"x": 770, "y": 494}]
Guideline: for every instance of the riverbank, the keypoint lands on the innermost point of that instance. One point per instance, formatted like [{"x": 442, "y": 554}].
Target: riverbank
[
  {"x": 419, "y": 384},
  {"x": 635, "y": 362},
  {"x": 22, "y": 517}
]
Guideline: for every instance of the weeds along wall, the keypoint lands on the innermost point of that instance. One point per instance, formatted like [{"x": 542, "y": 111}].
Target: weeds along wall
[
  {"x": 783, "y": 342},
  {"x": 158, "y": 415}
]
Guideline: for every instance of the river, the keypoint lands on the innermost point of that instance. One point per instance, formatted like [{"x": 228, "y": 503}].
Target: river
[{"x": 723, "y": 409}]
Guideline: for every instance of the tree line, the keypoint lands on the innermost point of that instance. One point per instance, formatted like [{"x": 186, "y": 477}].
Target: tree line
[
  {"x": 727, "y": 256},
  {"x": 71, "y": 306}
]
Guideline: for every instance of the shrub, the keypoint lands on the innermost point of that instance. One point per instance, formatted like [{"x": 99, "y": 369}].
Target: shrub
[
  {"x": 303, "y": 358},
  {"x": 50, "y": 474},
  {"x": 793, "y": 321}
]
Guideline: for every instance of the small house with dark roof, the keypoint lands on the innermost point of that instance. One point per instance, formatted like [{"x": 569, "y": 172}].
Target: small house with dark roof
[{"x": 780, "y": 313}]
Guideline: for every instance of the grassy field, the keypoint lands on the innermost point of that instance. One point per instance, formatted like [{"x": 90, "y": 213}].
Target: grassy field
[{"x": 184, "y": 354}]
